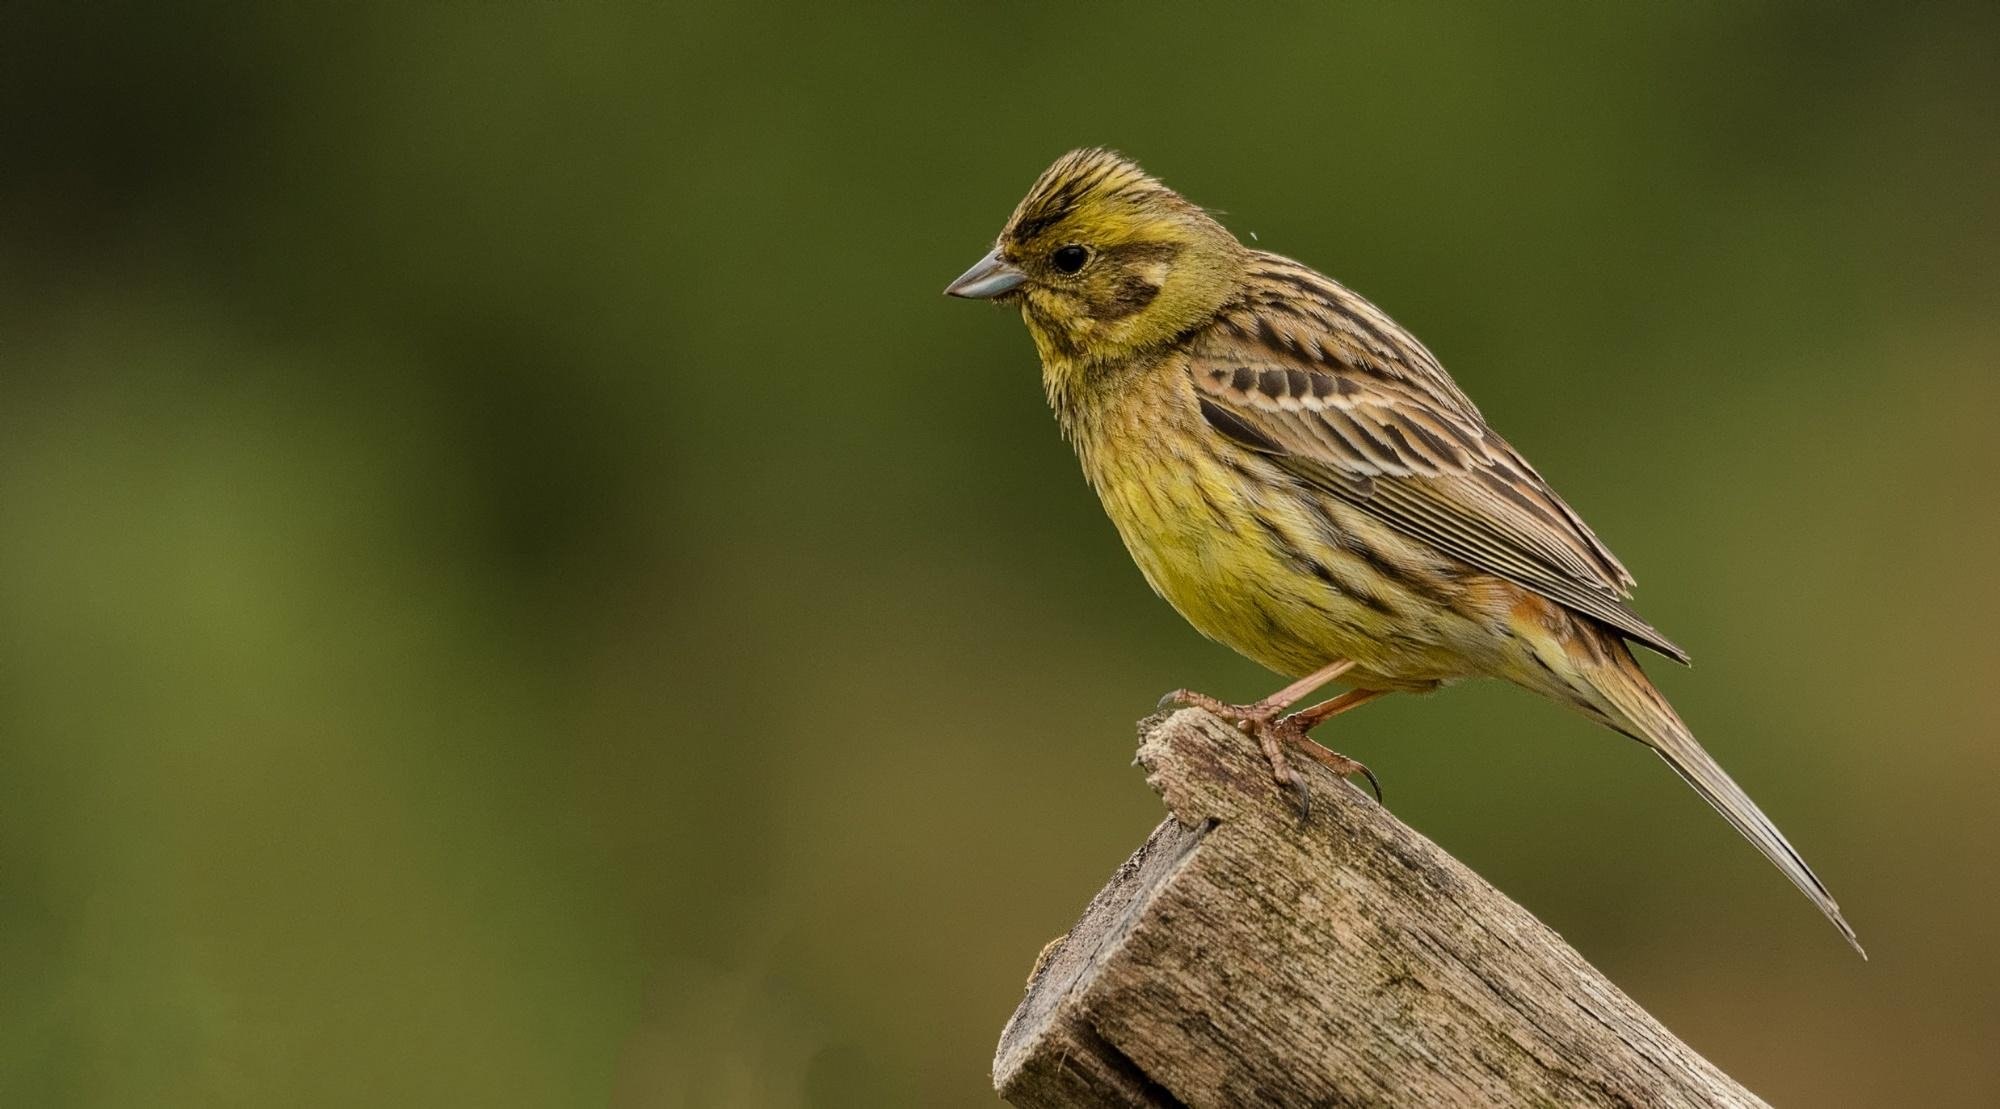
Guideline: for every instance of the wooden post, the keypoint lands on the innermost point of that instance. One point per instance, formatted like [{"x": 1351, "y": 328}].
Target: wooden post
[{"x": 1243, "y": 958}]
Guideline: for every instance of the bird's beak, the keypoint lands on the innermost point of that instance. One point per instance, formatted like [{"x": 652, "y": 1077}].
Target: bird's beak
[{"x": 988, "y": 278}]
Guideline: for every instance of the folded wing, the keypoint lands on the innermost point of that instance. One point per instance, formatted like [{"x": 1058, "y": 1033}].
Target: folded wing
[{"x": 1425, "y": 465}]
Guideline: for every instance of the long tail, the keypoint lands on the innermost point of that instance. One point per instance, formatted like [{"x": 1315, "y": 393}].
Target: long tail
[{"x": 1628, "y": 702}]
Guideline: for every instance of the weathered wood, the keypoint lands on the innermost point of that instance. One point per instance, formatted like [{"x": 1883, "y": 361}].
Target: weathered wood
[{"x": 1242, "y": 958}]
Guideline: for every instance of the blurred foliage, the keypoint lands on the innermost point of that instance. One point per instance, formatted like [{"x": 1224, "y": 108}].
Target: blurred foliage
[{"x": 517, "y": 590}]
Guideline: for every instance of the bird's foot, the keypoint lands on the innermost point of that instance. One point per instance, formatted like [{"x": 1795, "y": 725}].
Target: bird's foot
[
  {"x": 1274, "y": 733},
  {"x": 1244, "y": 717},
  {"x": 1293, "y": 731}
]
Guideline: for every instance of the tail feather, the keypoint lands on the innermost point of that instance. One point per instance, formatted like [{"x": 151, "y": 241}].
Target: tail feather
[{"x": 1637, "y": 709}]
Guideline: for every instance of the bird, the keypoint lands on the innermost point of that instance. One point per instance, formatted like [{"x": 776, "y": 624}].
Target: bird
[{"x": 1303, "y": 482}]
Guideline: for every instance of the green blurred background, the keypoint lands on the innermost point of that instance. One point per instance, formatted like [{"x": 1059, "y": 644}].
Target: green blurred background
[{"x": 517, "y": 590}]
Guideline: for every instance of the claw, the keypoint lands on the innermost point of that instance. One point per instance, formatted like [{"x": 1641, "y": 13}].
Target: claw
[
  {"x": 1342, "y": 765},
  {"x": 1292, "y": 730}
]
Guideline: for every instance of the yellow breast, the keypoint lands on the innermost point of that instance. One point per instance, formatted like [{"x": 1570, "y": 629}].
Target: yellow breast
[
  {"x": 1208, "y": 538},
  {"x": 1245, "y": 554}
]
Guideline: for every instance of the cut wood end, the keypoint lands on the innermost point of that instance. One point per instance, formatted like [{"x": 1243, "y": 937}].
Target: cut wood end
[{"x": 1240, "y": 956}]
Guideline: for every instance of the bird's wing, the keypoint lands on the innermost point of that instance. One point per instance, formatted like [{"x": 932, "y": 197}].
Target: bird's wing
[{"x": 1375, "y": 427}]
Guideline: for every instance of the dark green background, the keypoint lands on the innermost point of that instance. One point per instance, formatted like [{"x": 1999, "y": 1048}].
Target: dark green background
[{"x": 517, "y": 590}]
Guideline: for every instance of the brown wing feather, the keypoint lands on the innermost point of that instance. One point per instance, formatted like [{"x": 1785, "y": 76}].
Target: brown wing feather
[{"x": 1336, "y": 392}]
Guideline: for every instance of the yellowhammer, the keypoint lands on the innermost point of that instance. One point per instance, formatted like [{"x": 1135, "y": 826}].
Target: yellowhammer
[{"x": 1304, "y": 483}]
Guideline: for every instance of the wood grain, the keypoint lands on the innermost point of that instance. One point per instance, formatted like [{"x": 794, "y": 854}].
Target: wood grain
[{"x": 1241, "y": 957}]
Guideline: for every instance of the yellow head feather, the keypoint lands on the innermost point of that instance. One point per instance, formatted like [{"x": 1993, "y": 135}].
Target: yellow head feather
[{"x": 1116, "y": 262}]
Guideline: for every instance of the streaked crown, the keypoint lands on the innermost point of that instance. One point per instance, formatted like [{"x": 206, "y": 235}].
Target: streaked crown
[
  {"x": 1112, "y": 262},
  {"x": 1098, "y": 192}
]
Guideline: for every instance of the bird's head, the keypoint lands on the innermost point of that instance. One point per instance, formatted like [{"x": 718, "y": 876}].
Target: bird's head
[{"x": 1106, "y": 262}]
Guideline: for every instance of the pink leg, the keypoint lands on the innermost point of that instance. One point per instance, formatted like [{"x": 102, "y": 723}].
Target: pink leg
[
  {"x": 1311, "y": 718},
  {"x": 1259, "y": 711}
]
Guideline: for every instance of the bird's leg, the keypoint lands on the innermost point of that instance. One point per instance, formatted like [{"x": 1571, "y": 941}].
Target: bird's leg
[
  {"x": 1310, "y": 718},
  {"x": 1261, "y": 711}
]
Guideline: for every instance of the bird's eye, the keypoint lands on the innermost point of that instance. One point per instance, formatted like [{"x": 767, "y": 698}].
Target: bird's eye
[{"x": 1069, "y": 259}]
